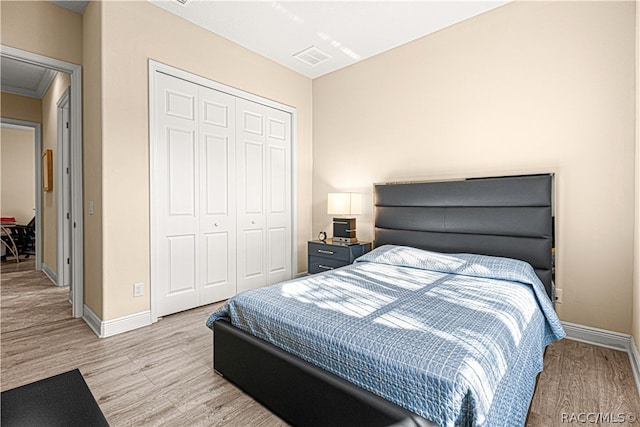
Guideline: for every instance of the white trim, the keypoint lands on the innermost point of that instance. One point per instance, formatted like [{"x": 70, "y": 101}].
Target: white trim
[
  {"x": 36, "y": 59},
  {"x": 156, "y": 66},
  {"x": 77, "y": 191},
  {"x": 108, "y": 328},
  {"x": 7, "y": 124},
  {"x": 126, "y": 323},
  {"x": 62, "y": 102},
  {"x": 20, "y": 91},
  {"x": 92, "y": 319},
  {"x": 634, "y": 358},
  {"x": 75, "y": 72},
  {"x": 46, "y": 81},
  {"x": 294, "y": 191},
  {"x": 39, "y": 92},
  {"x": 153, "y": 225},
  {"x": 50, "y": 274},
  {"x": 37, "y": 128},
  {"x": 596, "y": 336},
  {"x": 159, "y": 67}
]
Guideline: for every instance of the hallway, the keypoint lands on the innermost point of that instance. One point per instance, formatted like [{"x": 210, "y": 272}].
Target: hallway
[{"x": 30, "y": 299}]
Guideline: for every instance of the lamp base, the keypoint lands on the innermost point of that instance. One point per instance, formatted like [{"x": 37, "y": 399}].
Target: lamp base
[{"x": 344, "y": 230}]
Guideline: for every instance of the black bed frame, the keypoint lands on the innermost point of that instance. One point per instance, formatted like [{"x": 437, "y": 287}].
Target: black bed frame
[{"x": 505, "y": 216}]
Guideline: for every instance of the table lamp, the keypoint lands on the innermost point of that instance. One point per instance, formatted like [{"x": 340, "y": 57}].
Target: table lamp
[{"x": 344, "y": 229}]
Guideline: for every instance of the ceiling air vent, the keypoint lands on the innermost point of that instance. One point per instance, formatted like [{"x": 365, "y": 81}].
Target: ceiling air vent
[
  {"x": 183, "y": 2},
  {"x": 312, "y": 56}
]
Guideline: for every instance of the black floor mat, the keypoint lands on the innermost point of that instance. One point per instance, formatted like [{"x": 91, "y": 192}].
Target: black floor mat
[{"x": 61, "y": 400}]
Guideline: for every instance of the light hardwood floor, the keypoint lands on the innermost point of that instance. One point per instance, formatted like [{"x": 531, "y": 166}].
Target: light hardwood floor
[{"x": 162, "y": 374}]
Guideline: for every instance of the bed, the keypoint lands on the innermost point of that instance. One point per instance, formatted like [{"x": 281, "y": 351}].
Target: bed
[{"x": 444, "y": 323}]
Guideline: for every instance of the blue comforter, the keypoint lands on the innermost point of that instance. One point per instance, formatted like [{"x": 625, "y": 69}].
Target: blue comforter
[{"x": 455, "y": 338}]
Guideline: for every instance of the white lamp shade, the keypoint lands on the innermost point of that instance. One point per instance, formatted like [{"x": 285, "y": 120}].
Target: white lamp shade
[{"x": 344, "y": 204}]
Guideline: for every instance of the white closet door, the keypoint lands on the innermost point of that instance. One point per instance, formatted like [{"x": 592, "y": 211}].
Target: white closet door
[
  {"x": 251, "y": 185},
  {"x": 221, "y": 194},
  {"x": 278, "y": 195},
  {"x": 176, "y": 195},
  {"x": 264, "y": 195},
  {"x": 217, "y": 195}
]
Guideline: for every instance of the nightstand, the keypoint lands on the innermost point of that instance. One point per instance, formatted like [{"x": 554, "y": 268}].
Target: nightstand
[{"x": 327, "y": 255}]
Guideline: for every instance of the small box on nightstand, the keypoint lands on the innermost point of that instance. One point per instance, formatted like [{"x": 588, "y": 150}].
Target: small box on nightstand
[{"x": 344, "y": 230}]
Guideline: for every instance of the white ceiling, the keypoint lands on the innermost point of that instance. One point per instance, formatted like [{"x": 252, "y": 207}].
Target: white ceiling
[
  {"x": 348, "y": 31},
  {"x": 25, "y": 79}
]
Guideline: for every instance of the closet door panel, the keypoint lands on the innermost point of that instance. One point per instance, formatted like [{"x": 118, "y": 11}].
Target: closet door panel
[
  {"x": 217, "y": 150},
  {"x": 277, "y": 245},
  {"x": 278, "y": 203},
  {"x": 251, "y": 195},
  {"x": 182, "y": 266},
  {"x": 181, "y": 144},
  {"x": 176, "y": 196},
  {"x": 252, "y": 256},
  {"x": 278, "y": 194},
  {"x": 217, "y": 259},
  {"x": 218, "y": 199},
  {"x": 253, "y": 178}
]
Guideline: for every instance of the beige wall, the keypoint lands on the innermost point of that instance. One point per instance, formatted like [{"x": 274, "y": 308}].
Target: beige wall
[
  {"x": 43, "y": 28},
  {"x": 49, "y": 141},
  {"x": 92, "y": 153},
  {"x": 132, "y": 32},
  {"x": 20, "y": 107},
  {"x": 527, "y": 87},
  {"x": 18, "y": 192}
]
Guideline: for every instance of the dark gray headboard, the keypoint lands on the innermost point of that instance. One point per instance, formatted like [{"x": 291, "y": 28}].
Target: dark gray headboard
[{"x": 506, "y": 216}]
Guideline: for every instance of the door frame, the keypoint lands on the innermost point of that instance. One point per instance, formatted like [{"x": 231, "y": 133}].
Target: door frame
[
  {"x": 159, "y": 67},
  {"x": 37, "y": 129},
  {"x": 75, "y": 106},
  {"x": 61, "y": 237}
]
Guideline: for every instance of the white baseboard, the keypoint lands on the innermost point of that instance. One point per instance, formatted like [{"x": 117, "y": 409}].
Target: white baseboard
[
  {"x": 609, "y": 339},
  {"x": 50, "y": 274},
  {"x": 126, "y": 323},
  {"x": 634, "y": 358},
  {"x": 601, "y": 337},
  {"x": 108, "y": 328},
  {"x": 92, "y": 319}
]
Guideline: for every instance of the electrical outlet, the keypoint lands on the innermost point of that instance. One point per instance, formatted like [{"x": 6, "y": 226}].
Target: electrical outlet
[
  {"x": 138, "y": 289},
  {"x": 558, "y": 295}
]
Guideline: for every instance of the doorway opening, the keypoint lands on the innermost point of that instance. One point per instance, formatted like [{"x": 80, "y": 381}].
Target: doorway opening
[
  {"x": 21, "y": 210},
  {"x": 68, "y": 204}
]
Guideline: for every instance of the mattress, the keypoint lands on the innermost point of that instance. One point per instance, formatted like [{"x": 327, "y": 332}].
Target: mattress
[{"x": 455, "y": 338}]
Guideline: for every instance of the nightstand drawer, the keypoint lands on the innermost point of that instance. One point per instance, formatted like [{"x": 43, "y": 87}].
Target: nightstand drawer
[
  {"x": 333, "y": 252},
  {"x": 326, "y": 255},
  {"x": 318, "y": 264}
]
